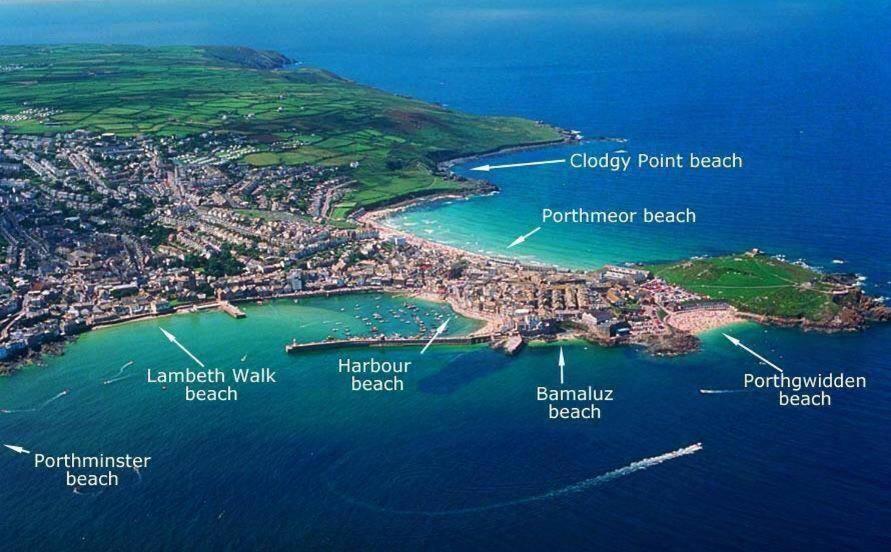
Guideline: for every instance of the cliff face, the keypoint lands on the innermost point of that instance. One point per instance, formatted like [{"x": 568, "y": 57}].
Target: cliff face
[
  {"x": 852, "y": 316},
  {"x": 857, "y": 310},
  {"x": 247, "y": 57},
  {"x": 874, "y": 310}
]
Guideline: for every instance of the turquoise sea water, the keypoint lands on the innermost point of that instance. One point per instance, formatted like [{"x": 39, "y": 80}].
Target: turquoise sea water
[
  {"x": 307, "y": 462},
  {"x": 800, "y": 90}
]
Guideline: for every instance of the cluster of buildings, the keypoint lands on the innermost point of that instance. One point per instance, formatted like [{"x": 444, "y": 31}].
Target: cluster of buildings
[{"x": 99, "y": 229}]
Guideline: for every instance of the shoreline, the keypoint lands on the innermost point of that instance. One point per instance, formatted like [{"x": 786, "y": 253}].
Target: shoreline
[
  {"x": 490, "y": 324},
  {"x": 692, "y": 324},
  {"x": 567, "y": 138},
  {"x": 376, "y": 216},
  {"x": 701, "y": 322},
  {"x": 480, "y": 186},
  {"x": 376, "y": 220}
]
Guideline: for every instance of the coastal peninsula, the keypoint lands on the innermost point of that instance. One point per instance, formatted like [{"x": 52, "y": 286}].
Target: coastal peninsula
[{"x": 138, "y": 182}]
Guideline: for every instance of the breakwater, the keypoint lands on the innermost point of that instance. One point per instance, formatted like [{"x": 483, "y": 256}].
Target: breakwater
[{"x": 295, "y": 347}]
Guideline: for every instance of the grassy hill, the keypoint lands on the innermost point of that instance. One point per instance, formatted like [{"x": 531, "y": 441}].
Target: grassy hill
[
  {"x": 755, "y": 283},
  {"x": 294, "y": 116}
]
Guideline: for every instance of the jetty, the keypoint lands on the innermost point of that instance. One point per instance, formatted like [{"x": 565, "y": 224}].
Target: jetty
[
  {"x": 231, "y": 309},
  {"x": 295, "y": 347},
  {"x": 513, "y": 345}
]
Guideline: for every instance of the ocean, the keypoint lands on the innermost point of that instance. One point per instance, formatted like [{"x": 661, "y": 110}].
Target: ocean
[{"x": 466, "y": 458}]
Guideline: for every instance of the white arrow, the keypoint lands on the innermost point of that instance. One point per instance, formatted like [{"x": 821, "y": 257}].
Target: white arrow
[
  {"x": 17, "y": 449},
  {"x": 442, "y": 327},
  {"x": 561, "y": 363},
  {"x": 523, "y": 238},
  {"x": 737, "y": 342},
  {"x": 172, "y": 339},
  {"x": 487, "y": 168}
]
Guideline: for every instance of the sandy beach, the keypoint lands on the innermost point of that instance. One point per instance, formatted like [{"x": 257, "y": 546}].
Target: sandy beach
[
  {"x": 493, "y": 323},
  {"x": 700, "y": 321},
  {"x": 375, "y": 220}
]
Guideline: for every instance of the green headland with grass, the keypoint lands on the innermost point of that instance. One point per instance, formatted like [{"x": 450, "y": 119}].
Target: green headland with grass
[
  {"x": 759, "y": 284},
  {"x": 291, "y": 116}
]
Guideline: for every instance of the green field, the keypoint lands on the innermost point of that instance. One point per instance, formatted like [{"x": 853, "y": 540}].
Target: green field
[
  {"x": 299, "y": 116},
  {"x": 758, "y": 284}
]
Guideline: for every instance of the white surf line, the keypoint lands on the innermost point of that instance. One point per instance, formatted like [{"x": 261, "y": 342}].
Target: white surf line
[
  {"x": 574, "y": 488},
  {"x": 172, "y": 339},
  {"x": 739, "y": 344},
  {"x": 487, "y": 168},
  {"x": 524, "y": 237},
  {"x": 442, "y": 327},
  {"x": 722, "y": 391}
]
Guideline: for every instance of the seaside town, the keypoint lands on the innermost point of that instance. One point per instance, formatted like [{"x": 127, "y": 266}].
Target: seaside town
[{"x": 98, "y": 229}]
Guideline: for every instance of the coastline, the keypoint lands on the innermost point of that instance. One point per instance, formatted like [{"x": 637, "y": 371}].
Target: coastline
[
  {"x": 692, "y": 323},
  {"x": 689, "y": 328},
  {"x": 701, "y": 322},
  {"x": 870, "y": 311},
  {"x": 374, "y": 219},
  {"x": 376, "y": 216},
  {"x": 490, "y": 324},
  {"x": 476, "y": 187},
  {"x": 686, "y": 326},
  {"x": 567, "y": 138}
]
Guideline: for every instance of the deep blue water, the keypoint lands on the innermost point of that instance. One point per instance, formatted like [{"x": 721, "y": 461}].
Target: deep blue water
[{"x": 800, "y": 89}]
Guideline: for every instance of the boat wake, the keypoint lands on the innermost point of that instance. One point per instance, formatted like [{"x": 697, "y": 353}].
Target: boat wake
[
  {"x": 40, "y": 406},
  {"x": 124, "y": 367},
  {"x": 114, "y": 380},
  {"x": 77, "y": 491},
  {"x": 574, "y": 488},
  {"x": 17, "y": 410},
  {"x": 118, "y": 376}
]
